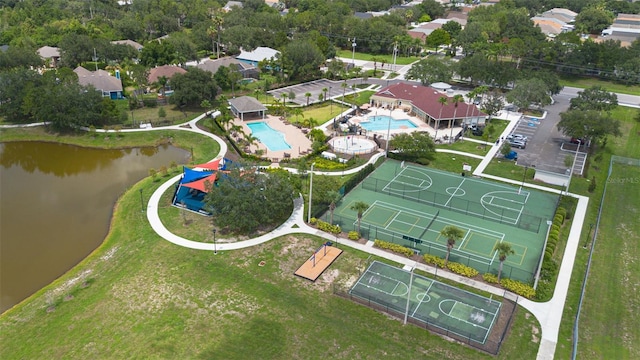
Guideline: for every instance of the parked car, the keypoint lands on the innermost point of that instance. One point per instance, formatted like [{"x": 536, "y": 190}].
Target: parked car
[
  {"x": 582, "y": 141},
  {"x": 512, "y": 155},
  {"x": 477, "y": 131},
  {"x": 517, "y": 137},
  {"x": 518, "y": 144}
]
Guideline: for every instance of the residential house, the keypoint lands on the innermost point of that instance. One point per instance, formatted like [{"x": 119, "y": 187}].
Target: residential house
[
  {"x": 231, "y": 4},
  {"x": 555, "y": 21},
  {"x": 625, "y": 28},
  {"x": 108, "y": 85},
  {"x": 165, "y": 70},
  {"x": 247, "y": 70},
  {"x": 423, "y": 30},
  {"x": 423, "y": 102},
  {"x": 259, "y": 54},
  {"x": 131, "y": 43},
  {"x": 50, "y": 54}
]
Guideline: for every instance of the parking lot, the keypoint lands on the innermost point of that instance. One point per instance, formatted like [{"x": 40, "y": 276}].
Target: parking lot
[
  {"x": 315, "y": 88},
  {"x": 547, "y": 148}
]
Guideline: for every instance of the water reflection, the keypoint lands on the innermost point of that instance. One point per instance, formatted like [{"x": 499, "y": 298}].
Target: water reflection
[{"x": 56, "y": 206}]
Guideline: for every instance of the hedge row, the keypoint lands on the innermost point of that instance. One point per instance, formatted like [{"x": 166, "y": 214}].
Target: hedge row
[
  {"x": 393, "y": 247},
  {"x": 353, "y": 235},
  {"x": 325, "y": 226},
  {"x": 455, "y": 267},
  {"x": 518, "y": 288}
]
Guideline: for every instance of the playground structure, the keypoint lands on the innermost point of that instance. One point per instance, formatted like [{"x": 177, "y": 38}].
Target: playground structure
[{"x": 321, "y": 259}]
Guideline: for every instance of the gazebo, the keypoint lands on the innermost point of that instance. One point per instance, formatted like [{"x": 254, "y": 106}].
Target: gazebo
[{"x": 247, "y": 105}]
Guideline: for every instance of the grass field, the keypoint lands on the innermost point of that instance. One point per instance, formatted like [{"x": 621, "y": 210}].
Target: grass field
[
  {"x": 138, "y": 296},
  {"x": 607, "y": 331},
  {"x": 400, "y": 60},
  {"x": 608, "y": 85},
  {"x": 466, "y": 146}
]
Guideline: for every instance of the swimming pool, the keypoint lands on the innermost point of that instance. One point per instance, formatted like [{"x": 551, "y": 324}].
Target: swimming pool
[
  {"x": 381, "y": 122},
  {"x": 272, "y": 139}
]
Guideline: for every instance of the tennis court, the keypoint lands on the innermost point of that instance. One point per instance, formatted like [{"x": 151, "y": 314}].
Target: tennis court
[
  {"x": 456, "y": 311},
  {"x": 411, "y": 205}
]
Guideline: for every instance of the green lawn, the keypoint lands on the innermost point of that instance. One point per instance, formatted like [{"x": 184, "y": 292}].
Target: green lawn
[
  {"x": 138, "y": 296},
  {"x": 466, "y": 146},
  {"x": 608, "y": 326},
  {"x": 453, "y": 162},
  {"x": 388, "y": 58},
  {"x": 586, "y": 82}
]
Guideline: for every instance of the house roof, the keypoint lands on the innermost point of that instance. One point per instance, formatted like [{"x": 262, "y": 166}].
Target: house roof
[
  {"x": 231, "y": 4},
  {"x": 426, "y": 99},
  {"x": 245, "y": 104},
  {"x": 131, "y": 43},
  {"x": 101, "y": 80},
  {"x": 47, "y": 52},
  {"x": 214, "y": 65},
  {"x": 549, "y": 25},
  {"x": 165, "y": 70},
  {"x": 561, "y": 14},
  {"x": 260, "y": 53},
  {"x": 362, "y": 15}
]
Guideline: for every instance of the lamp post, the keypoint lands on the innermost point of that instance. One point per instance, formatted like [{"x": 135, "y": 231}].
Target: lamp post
[
  {"x": 523, "y": 178},
  {"x": 330, "y": 103},
  {"x": 353, "y": 54},
  {"x": 386, "y": 146},
  {"x": 535, "y": 283},
  {"x": 573, "y": 165},
  {"x": 310, "y": 193},
  {"x": 215, "y": 250},
  {"x": 141, "y": 202}
]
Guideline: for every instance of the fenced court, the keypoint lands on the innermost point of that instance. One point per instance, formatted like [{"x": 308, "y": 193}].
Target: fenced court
[
  {"x": 411, "y": 205},
  {"x": 451, "y": 311}
]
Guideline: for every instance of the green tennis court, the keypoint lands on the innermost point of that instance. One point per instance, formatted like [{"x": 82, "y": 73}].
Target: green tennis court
[
  {"x": 411, "y": 205},
  {"x": 463, "y": 313}
]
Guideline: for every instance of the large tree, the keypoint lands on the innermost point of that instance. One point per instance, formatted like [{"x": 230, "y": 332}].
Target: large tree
[
  {"x": 594, "y": 98},
  {"x": 415, "y": 147},
  {"x": 593, "y": 20},
  {"x": 245, "y": 200},
  {"x": 302, "y": 59},
  {"x": 190, "y": 88},
  {"x": 431, "y": 70},
  {"x": 588, "y": 124},
  {"x": 528, "y": 92},
  {"x": 359, "y": 207}
]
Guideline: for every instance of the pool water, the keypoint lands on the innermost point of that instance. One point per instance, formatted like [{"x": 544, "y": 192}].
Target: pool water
[
  {"x": 272, "y": 139},
  {"x": 381, "y": 122}
]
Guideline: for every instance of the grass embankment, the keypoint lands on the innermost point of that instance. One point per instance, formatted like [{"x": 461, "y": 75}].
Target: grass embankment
[
  {"x": 202, "y": 147},
  {"x": 387, "y": 58},
  {"x": 608, "y": 327}
]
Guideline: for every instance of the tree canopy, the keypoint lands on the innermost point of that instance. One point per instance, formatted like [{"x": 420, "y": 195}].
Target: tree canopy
[
  {"x": 594, "y": 98},
  {"x": 588, "y": 124},
  {"x": 245, "y": 200},
  {"x": 415, "y": 147}
]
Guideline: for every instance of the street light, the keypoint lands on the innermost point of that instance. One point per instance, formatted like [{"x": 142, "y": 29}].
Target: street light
[
  {"x": 215, "y": 250},
  {"x": 353, "y": 56},
  {"x": 386, "y": 147},
  {"x": 573, "y": 165},
  {"x": 523, "y": 178},
  {"x": 331, "y": 105},
  {"x": 141, "y": 202},
  {"x": 310, "y": 193}
]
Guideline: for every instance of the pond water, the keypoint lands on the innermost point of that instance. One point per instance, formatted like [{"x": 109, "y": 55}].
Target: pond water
[{"x": 56, "y": 204}]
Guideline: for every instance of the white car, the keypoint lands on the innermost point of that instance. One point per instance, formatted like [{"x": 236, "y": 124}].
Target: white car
[{"x": 518, "y": 137}]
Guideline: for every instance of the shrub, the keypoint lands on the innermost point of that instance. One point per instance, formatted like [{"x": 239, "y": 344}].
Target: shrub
[
  {"x": 326, "y": 227},
  {"x": 393, "y": 247},
  {"x": 554, "y": 234},
  {"x": 555, "y": 228},
  {"x": 490, "y": 278},
  {"x": 433, "y": 260},
  {"x": 313, "y": 221},
  {"x": 558, "y": 219},
  {"x": 151, "y": 103},
  {"x": 153, "y": 173},
  {"x": 561, "y": 211},
  {"x": 592, "y": 185},
  {"x": 518, "y": 288},
  {"x": 353, "y": 235},
  {"x": 462, "y": 269}
]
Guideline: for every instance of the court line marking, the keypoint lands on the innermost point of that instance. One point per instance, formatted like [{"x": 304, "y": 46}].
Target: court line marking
[
  {"x": 467, "y": 305},
  {"x": 421, "y": 301},
  {"x": 465, "y": 238},
  {"x": 433, "y": 171},
  {"x": 454, "y": 192}
]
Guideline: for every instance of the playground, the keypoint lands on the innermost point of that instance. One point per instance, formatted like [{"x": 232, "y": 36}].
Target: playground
[{"x": 318, "y": 262}]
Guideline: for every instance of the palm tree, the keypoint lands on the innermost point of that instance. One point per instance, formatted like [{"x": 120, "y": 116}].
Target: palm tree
[
  {"x": 333, "y": 196},
  {"x": 504, "y": 249},
  {"x": 344, "y": 86},
  {"x": 324, "y": 91},
  {"x": 307, "y": 95},
  {"x": 453, "y": 234},
  {"x": 360, "y": 207},
  {"x": 161, "y": 84},
  {"x": 456, "y": 99},
  {"x": 297, "y": 112},
  {"x": 442, "y": 101},
  {"x": 284, "y": 97}
]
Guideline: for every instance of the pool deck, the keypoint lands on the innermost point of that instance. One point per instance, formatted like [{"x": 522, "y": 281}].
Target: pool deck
[
  {"x": 399, "y": 114},
  {"x": 300, "y": 144}
]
